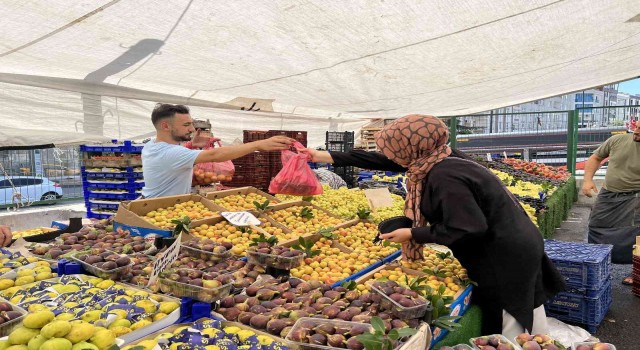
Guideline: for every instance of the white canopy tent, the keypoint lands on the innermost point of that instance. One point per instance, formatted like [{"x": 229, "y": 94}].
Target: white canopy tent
[{"x": 97, "y": 66}]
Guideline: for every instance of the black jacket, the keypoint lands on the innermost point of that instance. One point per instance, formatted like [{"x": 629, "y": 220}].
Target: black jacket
[{"x": 471, "y": 211}]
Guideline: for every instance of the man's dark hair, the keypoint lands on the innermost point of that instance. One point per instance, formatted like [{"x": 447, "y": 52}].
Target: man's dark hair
[{"x": 165, "y": 110}]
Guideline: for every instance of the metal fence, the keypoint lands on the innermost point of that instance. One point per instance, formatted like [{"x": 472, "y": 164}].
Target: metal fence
[
  {"x": 561, "y": 138},
  {"x": 39, "y": 176}
]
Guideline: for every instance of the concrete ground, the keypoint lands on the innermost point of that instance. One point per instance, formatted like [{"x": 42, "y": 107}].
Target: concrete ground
[{"x": 621, "y": 325}]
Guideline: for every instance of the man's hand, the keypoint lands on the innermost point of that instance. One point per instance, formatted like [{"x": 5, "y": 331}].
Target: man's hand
[
  {"x": 400, "y": 235},
  {"x": 587, "y": 186},
  {"x": 5, "y": 235},
  {"x": 276, "y": 143}
]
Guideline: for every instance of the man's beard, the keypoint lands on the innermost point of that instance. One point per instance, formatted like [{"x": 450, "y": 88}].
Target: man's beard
[{"x": 181, "y": 138}]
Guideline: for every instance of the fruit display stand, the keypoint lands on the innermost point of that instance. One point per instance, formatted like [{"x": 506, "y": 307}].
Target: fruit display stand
[
  {"x": 131, "y": 215},
  {"x": 325, "y": 257},
  {"x": 220, "y": 230},
  {"x": 110, "y": 173},
  {"x": 236, "y": 331},
  {"x": 558, "y": 206},
  {"x": 242, "y": 198},
  {"x": 359, "y": 235},
  {"x": 302, "y": 218},
  {"x": 458, "y": 307},
  {"x": 66, "y": 287}
]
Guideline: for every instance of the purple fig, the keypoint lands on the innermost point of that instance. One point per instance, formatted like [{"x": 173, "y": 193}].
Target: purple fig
[
  {"x": 325, "y": 328},
  {"x": 300, "y": 335},
  {"x": 336, "y": 341},
  {"x": 318, "y": 339},
  {"x": 245, "y": 317},
  {"x": 354, "y": 344},
  {"x": 331, "y": 311}
]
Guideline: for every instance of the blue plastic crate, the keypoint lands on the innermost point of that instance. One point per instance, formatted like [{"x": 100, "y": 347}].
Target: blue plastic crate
[
  {"x": 584, "y": 266},
  {"x": 130, "y": 185},
  {"x": 458, "y": 308},
  {"x": 580, "y": 309},
  {"x": 121, "y": 196},
  {"x": 113, "y": 206},
  {"x": 92, "y": 215},
  {"x": 125, "y": 147},
  {"x": 127, "y": 172}
]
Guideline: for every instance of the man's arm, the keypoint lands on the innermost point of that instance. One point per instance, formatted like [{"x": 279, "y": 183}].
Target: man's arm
[
  {"x": 591, "y": 166},
  {"x": 222, "y": 154}
]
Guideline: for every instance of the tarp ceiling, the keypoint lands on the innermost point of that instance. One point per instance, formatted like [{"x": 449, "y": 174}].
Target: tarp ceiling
[{"x": 343, "y": 60}]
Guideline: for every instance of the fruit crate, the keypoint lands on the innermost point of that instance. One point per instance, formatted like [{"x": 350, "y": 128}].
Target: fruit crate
[
  {"x": 399, "y": 311},
  {"x": 128, "y": 195},
  {"x": 203, "y": 254},
  {"x": 127, "y": 172},
  {"x": 286, "y": 205},
  {"x": 99, "y": 215},
  {"x": 121, "y": 161},
  {"x": 8, "y": 326},
  {"x": 251, "y": 170},
  {"x": 311, "y": 323},
  {"x": 585, "y": 267},
  {"x": 115, "y": 274},
  {"x": 127, "y": 184},
  {"x": 125, "y": 147},
  {"x": 502, "y": 340},
  {"x": 206, "y": 295},
  {"x": 590, "y": 345},
  {"x": 340, "y": 137},
  {"x": 275, "y": 261},
  {"x": 242, "y": 191},
  {"x": 579, "y": 309},
  {"x": 97, "y": 204}
]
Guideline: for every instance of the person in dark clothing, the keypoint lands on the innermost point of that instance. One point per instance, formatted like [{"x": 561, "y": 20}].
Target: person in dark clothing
[{"x": 456, "y": 202}]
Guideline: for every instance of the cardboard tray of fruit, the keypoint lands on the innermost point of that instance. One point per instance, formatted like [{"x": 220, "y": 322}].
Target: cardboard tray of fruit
[
  {"x": 204, "y": 248},
  {"x": 10, "y": 317},
  {"x": 155, "y": 326},
  {"x": 218, "y": 285},
  {"x": 275, "y": 258},
  {"x": 113, "y": 270},
  {"x": 492, "y": 340},
  {"x": 131, "y": 214},
  {"x": 593, "y": 346},
  {"x": 272, "y": 209},
  {"x": 404, "y": 304},
  {"x": 225, "y": 324},
  {"x": 542, "y": 340},
  {"x": 308, "y": 334},
  {"x": 218, "y": 198}
]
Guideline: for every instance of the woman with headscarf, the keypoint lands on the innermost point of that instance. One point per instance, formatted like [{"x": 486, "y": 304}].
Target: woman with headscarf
[{"x": 456, "y": 202}]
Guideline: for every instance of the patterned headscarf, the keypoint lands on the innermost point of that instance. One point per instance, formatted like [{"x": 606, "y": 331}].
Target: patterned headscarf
[{"x": 416, "y": 142}]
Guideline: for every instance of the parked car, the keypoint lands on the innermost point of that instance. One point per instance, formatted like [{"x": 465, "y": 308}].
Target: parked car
[{"x": 31, "y": 188}]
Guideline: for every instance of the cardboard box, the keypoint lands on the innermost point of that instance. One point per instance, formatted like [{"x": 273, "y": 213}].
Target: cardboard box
[
  {"x": 243, "y": 191},
  {"x": 129, "y": 215}
]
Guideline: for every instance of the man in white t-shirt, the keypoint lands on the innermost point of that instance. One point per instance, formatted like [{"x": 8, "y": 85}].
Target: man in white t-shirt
[{"x": 167, "y": 166}]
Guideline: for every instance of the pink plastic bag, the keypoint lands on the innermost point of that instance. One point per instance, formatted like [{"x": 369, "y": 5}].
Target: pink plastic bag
[
  {"x": 296, "y": 177},
  {"x": 208, "y": 173}
]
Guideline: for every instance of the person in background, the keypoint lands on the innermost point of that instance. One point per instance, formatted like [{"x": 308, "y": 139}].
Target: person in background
[
  {"x": 456, "y": 202},
  {"x": 327, "y": 177},
  {"x": 5, "y": 235},
  {"x": 167, "y": 166},
  {"x": 615, "y": 217}
]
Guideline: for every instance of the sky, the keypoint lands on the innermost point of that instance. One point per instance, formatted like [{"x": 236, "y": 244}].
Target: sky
[{"x": 630, "y": 86}]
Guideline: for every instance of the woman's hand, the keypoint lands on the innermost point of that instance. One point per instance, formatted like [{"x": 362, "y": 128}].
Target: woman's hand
[
  {"x": 317, "y": 156},
  {"x": 5, "y": 235},
  {"x": 400, "y": 235}
]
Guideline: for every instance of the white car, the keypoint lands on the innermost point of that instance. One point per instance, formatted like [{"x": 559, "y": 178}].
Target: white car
[{"x": 30, "y": 188}]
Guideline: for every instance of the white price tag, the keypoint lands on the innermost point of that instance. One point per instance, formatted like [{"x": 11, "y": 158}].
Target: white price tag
[
  {"x": 240, "y": 218},
  {"x": 504, "y": 154},
  {"x": 489, "y": 157},
  {"x": 163, "y": 262}
]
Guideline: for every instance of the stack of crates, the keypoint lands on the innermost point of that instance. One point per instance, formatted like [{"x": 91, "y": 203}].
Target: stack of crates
[
  {"x": 273, "y": 162},
  {"x": 251, "y": 170},
  {"x": 636, "y": 273},
  {"x": 587, "y": 271},
  {"x": 110, "y": 174},
  {"x": 342, "y": 142}
]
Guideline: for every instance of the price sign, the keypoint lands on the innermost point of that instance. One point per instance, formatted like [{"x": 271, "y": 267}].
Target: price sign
[
  {"x": 489, "y": 157},
  {"x": 378, "y": 198},
  {"x": 240, "y": 218},
  {"x": 169, "y": 256}
]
